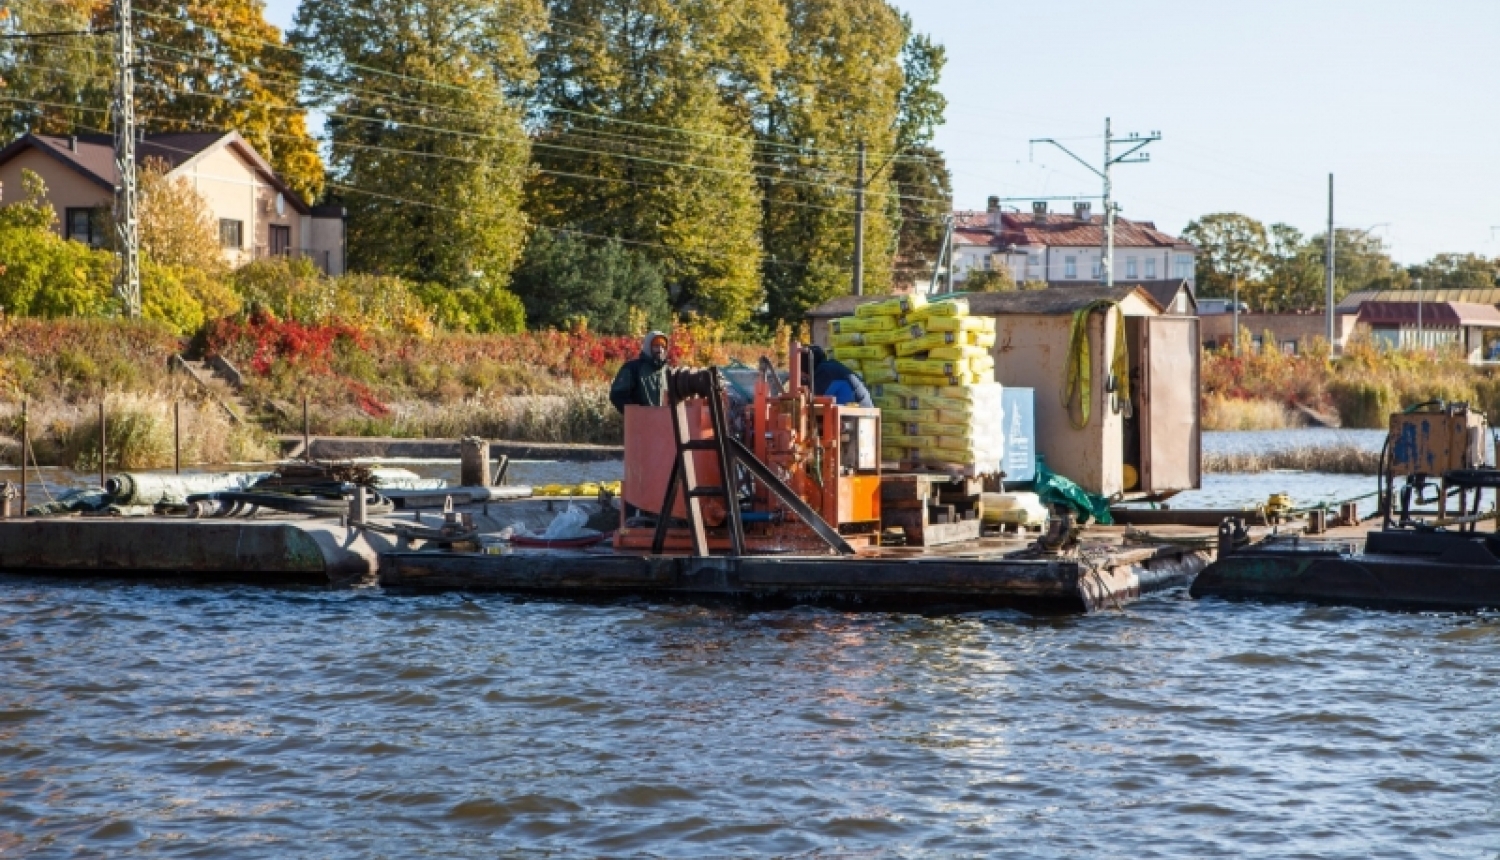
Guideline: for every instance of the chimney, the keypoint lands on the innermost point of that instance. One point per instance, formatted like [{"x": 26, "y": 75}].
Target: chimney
[
  {"x": 1081, "y": 209},
  {"x": 993, "y": 205},
  {"x": 1039, "y": 207}
]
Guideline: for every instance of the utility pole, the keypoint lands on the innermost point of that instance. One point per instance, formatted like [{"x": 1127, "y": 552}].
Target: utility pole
[
  {"x": 127, "y": 235},
  {"x": 859, "y": 224},
  {"x": 945, "y": 250},
  {"x": 1419, "y": 313},
  {"x": 1236, "y": 293},
  {"x": 1135, "y": 142},
  {"x": 1328, "y": 271}
]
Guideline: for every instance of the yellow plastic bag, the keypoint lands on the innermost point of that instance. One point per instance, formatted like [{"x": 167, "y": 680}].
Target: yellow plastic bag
[
  {"x": 874, "y": 373},
  {"x": 847, "y": 325},
  {"x": 885, "y": 338},
  {"x": 853, "y": 338},
  {"x": 936, "y": 324},
  {"x": 932, "y": 366},
  {"x": 859, "y": 353},
  {"x": 959, "y": 353},
  {"x": 905, "y": 441},
  {"x": 925, "y": 379},
  {"x": 958, "y": 307},
  {"x": 893, "y": 307},
  {"x": 985, "y": 339}
]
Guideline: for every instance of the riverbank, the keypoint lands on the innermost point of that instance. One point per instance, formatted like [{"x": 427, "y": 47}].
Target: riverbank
[
  {"x": 539, "y": 387},
  {"x": 1361, "y": 388}
]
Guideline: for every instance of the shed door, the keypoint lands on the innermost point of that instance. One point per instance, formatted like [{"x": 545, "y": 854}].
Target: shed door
[{"x": 1171, "y": 432}]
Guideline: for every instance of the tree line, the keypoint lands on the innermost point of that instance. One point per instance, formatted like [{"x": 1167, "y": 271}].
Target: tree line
[
  {"x": 1276, "y": 268},
  {"x": 593, "y": 158}
]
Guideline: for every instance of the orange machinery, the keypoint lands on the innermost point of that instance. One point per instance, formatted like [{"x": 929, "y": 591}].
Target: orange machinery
[{"x": 826, "y": 454}]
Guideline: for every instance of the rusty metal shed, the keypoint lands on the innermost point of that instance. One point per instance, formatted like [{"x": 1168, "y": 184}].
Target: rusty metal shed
[{"x": 1157, "y": 433}]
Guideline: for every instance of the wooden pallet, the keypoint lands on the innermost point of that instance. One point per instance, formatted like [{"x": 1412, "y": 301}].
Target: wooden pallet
[{"x": 931, "y": 508}]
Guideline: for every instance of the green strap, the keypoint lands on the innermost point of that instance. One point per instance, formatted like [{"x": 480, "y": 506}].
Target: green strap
[{"x": 1078, "y": 374}]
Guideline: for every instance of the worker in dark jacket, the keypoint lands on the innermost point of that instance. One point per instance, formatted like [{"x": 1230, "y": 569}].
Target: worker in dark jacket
[
  {"x": 831, "y": 378},
  {"x": 643, "y": 380}
]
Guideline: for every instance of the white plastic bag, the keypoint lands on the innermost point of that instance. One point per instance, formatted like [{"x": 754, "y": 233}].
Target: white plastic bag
[{"x": 568, "y": 524}]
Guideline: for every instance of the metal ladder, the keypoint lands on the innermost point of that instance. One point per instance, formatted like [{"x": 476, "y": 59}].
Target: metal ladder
[{"x": 685, "y": 472}]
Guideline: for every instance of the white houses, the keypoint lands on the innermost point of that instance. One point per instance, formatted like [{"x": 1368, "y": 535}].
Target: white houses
[{"x": 1066, "y": 249}]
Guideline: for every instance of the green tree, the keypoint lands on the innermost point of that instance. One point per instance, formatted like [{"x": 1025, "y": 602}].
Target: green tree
[
  {"x": 840, "y": 87},
  {"x": 1294, "y": 272},
  {"x": 997, "y": 280},
  {"x": 1232, "y": 248},
  {"x": 429, "y": 151},
  {"x": 922, "y": 179},
  {"x": 1457, "y": 272},
  {"x": 646, "y": 110},
  {"x": 1360, "y": 262},
  {"x": 43, "y": 274},
  {"x": 563, "y": 278}
]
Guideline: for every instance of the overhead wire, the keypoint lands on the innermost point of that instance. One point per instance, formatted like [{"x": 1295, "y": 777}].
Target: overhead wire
[
  {"x": 542, "y": 144},
  {"x": 460, "y": 89},
  {"x": 425, "y": 204}
]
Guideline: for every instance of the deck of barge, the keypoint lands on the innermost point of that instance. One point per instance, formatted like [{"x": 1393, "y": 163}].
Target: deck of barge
[{"x": 988, "y": 573}]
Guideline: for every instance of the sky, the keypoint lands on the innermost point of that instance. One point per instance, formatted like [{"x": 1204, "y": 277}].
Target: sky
[{"x": 1257, "y": 102}]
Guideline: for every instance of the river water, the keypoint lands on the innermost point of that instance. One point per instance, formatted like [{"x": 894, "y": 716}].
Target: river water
[
  {"x": 269, "y": 723},
  {"x": 225, "y": 722}
]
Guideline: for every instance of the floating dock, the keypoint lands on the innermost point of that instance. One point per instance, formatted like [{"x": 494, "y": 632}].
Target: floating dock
[
  {"x": 1105, "y": 571},
  {"x": 982, "y": 574}
]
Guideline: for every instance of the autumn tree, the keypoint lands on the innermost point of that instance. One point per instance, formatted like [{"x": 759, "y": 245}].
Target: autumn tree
[
  {"x": 205, "y": 65},
  {"x": 840, "y": 87},
  {"x": 429, "y": 152},
  {"x": 646, "y": 109},
  {"x": 57, "y": 85}
]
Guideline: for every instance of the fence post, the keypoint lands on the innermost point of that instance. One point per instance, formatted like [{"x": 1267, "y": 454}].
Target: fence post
[
  {"x": 102, "y": 435},
  {"x": 25, "y": 449},
  {"x": 177, "y": 437}
]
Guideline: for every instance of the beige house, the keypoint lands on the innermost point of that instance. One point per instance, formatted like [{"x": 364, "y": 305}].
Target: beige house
[{"x": 257, "y": 213}]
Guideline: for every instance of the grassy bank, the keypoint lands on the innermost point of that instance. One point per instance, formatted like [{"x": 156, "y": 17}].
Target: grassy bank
[
  {"x": 545, "y": 386},
  {"x": 1362, "y": 387},
  {"x": 1336, "y": 459}
]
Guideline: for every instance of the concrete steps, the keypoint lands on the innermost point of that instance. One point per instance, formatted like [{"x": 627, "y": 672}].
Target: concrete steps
[{"x": 220, "y": 380}]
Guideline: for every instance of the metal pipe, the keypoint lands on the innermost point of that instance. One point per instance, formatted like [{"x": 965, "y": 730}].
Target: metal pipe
[
  {"x": 177, "y": 437},
  {"x": 25, "y": 450},
  {"x": 306, "y": 434},
  {"x": 794, "y": 369}
]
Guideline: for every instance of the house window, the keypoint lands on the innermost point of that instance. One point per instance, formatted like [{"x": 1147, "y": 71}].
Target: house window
[
  {"x": 1289, "y": 347},
  {"x": 1184, "y": 267},
  {"x": 1033, "y": 260},
  {"x": 1094, "y": 271},
  {"x": 1130, "y": 268},
  {"x": 1150, "y": 268},
  {"x": 281, "y": 239},
  {"x": 231, "y": 233},
  {"x": 1070, "y": 268},
  {"x": 86, "y": 226}
]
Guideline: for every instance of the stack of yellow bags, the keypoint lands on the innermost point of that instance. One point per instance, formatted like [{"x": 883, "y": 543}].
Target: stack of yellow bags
[{"x": 929, "y": 367}]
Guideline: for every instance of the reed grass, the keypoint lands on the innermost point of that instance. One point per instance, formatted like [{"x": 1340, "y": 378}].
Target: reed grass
[
  {"x": 138, "y": 434},
  {"x": 1225, "y": 413},
  {"x": 1345, "y": 459}
]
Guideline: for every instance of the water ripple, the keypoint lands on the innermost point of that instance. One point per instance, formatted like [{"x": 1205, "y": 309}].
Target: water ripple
[{"x": 250, "y": 723}]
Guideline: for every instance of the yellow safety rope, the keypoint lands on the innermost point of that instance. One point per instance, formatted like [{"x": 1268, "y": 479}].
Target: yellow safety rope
[{"x": 1079, "y": 373}]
